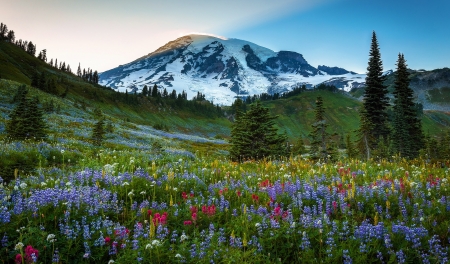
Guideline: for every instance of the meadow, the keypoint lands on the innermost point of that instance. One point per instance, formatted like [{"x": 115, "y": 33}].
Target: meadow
[
  {"x": 130, "y": 206},
  {"x": 154, "y": 196}
]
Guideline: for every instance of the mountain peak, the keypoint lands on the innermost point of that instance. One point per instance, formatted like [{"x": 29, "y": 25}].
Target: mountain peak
[{"x": 220, "y": 68}]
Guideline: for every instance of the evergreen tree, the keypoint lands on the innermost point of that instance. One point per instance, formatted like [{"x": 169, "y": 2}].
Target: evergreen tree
[
  {"x": 155, "y": 91},
  {"x": 36, "y": 121},
  {"x": 321, "y": 145},
  {"x": 407, "y": 132},
  {"x": 254, "y": 135},
  {"x": 145, "y": 90},
  {"x": 3, "y": 31},
  {"x": 95, "y": 77},
  {"x": 26, "y": 119},
  {"x": 31, "y": 48},
  {"x": 98, "y": 132},
  {"x": 11, "y": 36},
  {"x": 79, "y": 70},
  {"x": 364, "y": 134},
  {"x": 374, "y": 114},
  {"x": 299, "y": 147},
  {"x": 350, "y": 148}
]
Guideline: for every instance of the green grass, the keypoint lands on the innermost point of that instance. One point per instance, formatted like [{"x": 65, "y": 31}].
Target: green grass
[{"x": 296, "y": 114}]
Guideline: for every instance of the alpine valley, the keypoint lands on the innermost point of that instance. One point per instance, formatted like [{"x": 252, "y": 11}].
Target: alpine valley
[{"x": 223, "y": 69}]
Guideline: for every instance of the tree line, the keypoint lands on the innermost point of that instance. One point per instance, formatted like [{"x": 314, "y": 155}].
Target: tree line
[{"x": 30, "y": 48}]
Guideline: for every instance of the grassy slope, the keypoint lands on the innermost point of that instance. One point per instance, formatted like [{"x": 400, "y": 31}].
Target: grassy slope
[
  {"x": 296, "y": 114},
  {"x": 17, "y": 65}
]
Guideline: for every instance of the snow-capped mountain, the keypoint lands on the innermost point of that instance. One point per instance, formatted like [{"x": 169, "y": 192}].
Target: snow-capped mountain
[{"x": 223, "y": 69}]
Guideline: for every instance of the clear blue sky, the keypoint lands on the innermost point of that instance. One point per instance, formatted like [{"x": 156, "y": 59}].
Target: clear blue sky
[
  {"x": 102, "y": 34},
  {"x": 338, "y": 33}
]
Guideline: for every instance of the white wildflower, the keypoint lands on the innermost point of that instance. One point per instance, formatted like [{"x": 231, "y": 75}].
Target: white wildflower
[
  {"x": 148, "y": 246},
  {"x": 178, "y": 255},
  {"x": 50, "y": 237},
  {"x": 143, "y": 193},
  {"x": 43, "y": 184},
  {"x": 19, "y": 246},
  {"x": 156, "y": 243},
  {"x": 125, "y": 184},
  {"x": 183, "y": 237},
  {"x": 257, "y": 224},
  {"x": 68, "y": 184},
  {"x": 131, "y": 193},
  {"x": 23, "y": 185},
  {"x": 16, "y": 188},
  {"x": 111, "y": 261}
]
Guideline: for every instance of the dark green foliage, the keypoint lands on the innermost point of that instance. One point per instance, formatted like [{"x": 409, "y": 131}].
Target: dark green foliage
[
  {"x": 98, "y": 132},
  {"x": 24, "y": 161},
  {"x": 48, "y": 106},
  {"x": 351, "y": 150},
  {"x": 254, "y": 136},
  {"x": 407, "y": 135},
  {"x": 376, "y": 101},
  {"x": 109, "y": 127},
  {"x": 321, "y": 143},
  {"x": 364, "y": 134},
  {"x": 155, "y": 91},
  {"x": 145, "y": 90},
  {"x": 161, "y": 126},
  {"x": 156, "y": 147},
  {"x": 298, "y": 147},
  {"x": 31, "y": 48},
  {"x": 26, "y": 119}
]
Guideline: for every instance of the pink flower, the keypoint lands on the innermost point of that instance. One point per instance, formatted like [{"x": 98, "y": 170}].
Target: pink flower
[
  {"x": 18, "y": 259},
  {"x": 187, "y": 222},
  {"x": 194, "y": 216},
  {"x": 31, "y": 254},
  {"x": 107, "y": 240}
]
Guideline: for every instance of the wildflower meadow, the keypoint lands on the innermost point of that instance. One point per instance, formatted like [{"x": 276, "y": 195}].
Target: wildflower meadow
[{"x": 174, "y": 208}]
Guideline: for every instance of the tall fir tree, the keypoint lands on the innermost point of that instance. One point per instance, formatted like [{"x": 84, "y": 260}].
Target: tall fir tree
[
  {"x": 350, "y": 148},
  {"x": 254, "y": 135},
  {"x": 26, "y": 119},
  {"x": 365, "y": 136},
  {"x": 36, "y": 121},
  {"x": 407, "y": 132},
  {"x": 376, "y": 102},
  {"x": 321, "y": 145},
  {"x": 98, "y": 131},
  {"x": 145, "y": 90},
  {"x": 155, "y": 91}
]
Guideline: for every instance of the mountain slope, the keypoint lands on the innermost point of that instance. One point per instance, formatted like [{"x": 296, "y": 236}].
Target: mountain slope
[{"x": 223, "y": 69}]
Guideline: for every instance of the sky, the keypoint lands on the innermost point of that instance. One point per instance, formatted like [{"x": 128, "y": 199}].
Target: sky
[{"x": 103, "y": 34}]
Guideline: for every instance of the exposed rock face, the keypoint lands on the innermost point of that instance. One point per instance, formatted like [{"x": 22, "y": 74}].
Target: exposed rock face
[
  {"x": 333, "y": 70},
  {"x": 222, "y": 69}
]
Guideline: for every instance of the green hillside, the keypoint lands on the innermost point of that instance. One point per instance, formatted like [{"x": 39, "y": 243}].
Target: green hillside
[{"x": 295, "y": 113}]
